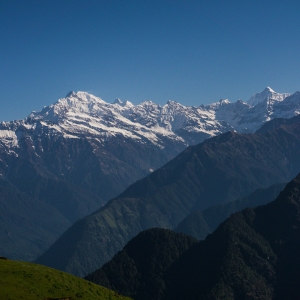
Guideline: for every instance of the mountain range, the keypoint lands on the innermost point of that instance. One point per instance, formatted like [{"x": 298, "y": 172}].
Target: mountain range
[
  {"x": 254, "y": 254},
  {"x": 75, "y": 155},
  {"x": 219, "y": 170}
]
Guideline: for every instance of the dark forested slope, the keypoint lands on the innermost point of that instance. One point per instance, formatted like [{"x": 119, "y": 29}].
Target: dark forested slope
[
  {"x": 23, "y": 237},
  {"x": 137, "y": 270},
  {"x": 254, "y": 254},
  {"x": 200, "y": 223}
]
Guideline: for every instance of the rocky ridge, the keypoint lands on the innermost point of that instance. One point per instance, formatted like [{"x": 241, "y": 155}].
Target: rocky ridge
[{"x": 80, "y": 114}]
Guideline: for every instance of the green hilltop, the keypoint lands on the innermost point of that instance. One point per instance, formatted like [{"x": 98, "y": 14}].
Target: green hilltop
[{"x": 23, "y": 280}]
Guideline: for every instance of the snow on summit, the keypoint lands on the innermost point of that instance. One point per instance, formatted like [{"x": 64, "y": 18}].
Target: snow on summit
[
  {"x": 264, "y": 95},
  {"x": 83, "y": 115}
]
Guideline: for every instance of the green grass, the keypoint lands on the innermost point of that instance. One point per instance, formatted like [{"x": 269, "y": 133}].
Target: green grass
[{"x": 23, "y": 280}]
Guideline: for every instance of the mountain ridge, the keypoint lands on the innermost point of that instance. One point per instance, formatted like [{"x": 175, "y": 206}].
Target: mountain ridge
[
  {"x": 221, "y": 169},
  {"x": 80, "y": 113},
  {"x": 200, "y": 223}
]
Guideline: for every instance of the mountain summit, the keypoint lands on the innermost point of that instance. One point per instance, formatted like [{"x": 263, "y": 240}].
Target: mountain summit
[{"x": 265, "y": 94}]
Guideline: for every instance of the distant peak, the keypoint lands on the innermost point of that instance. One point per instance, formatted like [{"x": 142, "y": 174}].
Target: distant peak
[
  {"x": 147, "y": 102},
  {"x": 118, "y": 101},
  {"x": 224, "y": 101},
  {"x": 71, "y": 93},
  {"x": 268, "y": 89},
  {"x": 266, "y": 93},
  {"x": 172, "y": 102},
  {"x": 79, "y": 94},
  {"x": 127, "y": 103}
]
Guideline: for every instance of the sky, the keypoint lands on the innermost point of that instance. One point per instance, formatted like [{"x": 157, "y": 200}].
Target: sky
[{"x": 193, "y": 52}]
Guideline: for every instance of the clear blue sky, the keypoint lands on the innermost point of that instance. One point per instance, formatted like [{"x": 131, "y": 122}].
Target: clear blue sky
[{"x": 190, "y": 51}]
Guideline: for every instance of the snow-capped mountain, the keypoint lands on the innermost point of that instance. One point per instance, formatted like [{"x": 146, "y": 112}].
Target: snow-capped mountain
[
  {"x": 78, "y": 153},
  {"x": 266, "y": 93},
  {"x": 82, "y": 115}
]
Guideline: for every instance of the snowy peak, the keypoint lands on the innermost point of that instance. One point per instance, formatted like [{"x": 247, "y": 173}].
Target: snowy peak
[
  {"x": 224, "y": 102},
  {"x": 81, "y": 97},
  {"x": 79, "y": 110},
  {"x": 268, "y": 90},
  {"x": 81, "y": 114},
  {"x": 74, "y": 102},
  {"x": 70, "y": 94},
  {"x": 264, "y": 95},
  {"x": 118, "y": 101}
]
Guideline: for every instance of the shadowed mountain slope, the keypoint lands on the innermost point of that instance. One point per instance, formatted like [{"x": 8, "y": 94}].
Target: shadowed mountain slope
[
  {"x": 21, "y": 237},
  {"x": 254, "y": 254},
  {"x": 200, "y": 223},
  {"x": 219, "y": 170},
  {"x": 66, "y": 178},
  {"x": 277, "y": 122},
  {"x": 142, "y": 262}
]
